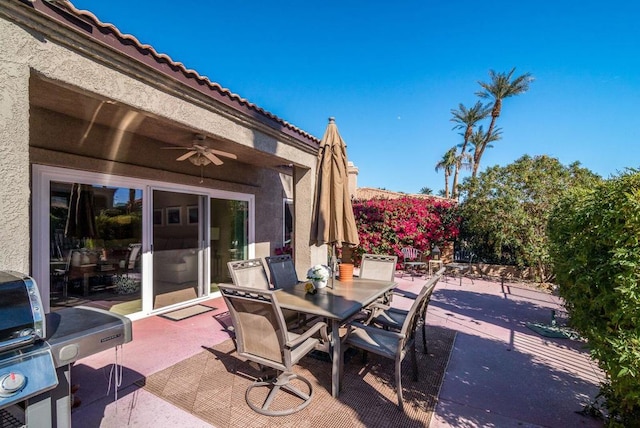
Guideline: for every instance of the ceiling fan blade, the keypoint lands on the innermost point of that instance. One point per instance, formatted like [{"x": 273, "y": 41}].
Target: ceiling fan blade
[
  {"x": 187, "y": 155},
  {"x": 225, "y": 154},
  {"x": 213, "y": 158}
]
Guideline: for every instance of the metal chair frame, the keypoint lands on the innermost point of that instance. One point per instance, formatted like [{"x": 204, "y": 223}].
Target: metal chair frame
[
  {"x": 261, "y": 336},
  {"x": 462, "y": 263},
  {"x": 412, "y": 261},
  {"x": 392, "y": 344}
]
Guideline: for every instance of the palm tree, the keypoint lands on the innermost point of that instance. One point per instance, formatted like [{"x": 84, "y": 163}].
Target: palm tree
[
  {"x": 447, "y": 163},
  {"x": 466, "y": 118},
  {"x": 501, "y": 86},
  {"x": 480, "y": 141},
  {"x": 426, "y": 191}
]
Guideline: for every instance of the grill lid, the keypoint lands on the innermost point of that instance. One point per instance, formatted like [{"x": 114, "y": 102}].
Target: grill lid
[{"x": 21, "y": 313}]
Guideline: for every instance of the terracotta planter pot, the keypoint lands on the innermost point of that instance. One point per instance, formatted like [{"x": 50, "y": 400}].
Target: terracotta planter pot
[{"x": 346, "y": 271}]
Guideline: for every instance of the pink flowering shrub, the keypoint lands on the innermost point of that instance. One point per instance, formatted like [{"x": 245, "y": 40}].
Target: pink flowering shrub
[{"x": 387, "y": 225}]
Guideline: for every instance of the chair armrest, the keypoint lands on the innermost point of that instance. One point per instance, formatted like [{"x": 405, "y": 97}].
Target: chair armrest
[
  {"x": 378, "y": 306},
  {"x": 317, "y": 327},
  {"x": 376, "y": 330},
  {"x": 375, "y": 308},
  {"x": 398, "y": 310}
]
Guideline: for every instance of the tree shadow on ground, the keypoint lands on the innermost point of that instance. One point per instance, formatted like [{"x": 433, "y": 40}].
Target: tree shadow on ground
[{"x": 501, "y": 371}]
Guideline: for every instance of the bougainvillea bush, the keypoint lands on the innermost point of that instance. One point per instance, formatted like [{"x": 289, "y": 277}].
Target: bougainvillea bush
[{"x": 387, "y": 225}]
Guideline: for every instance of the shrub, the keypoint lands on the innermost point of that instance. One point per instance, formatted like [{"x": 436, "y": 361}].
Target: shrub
[
  {"x": 387, "y": 225},
  {"x": 594, "y": 236},
  {"x": 506, "y": 210}
]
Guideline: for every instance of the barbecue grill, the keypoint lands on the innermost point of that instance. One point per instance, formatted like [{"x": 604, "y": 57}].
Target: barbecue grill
[{"x": 37, "y": 350}]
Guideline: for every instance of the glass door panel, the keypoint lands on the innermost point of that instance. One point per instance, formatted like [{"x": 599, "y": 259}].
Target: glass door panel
[
  {"x": 229, "y": 236},
  {"x": 177, "y": 234},
  {"x": 95, "y": 241}
]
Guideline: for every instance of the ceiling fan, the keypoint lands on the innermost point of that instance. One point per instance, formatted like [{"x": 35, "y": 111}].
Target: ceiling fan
[{"x": 201, "y": 155}]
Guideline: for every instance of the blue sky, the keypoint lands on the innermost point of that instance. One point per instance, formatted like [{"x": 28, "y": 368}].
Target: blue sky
[{"x": 390, "y": 73}]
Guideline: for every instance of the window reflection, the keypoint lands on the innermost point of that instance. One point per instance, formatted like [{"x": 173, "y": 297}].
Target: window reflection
[{"x": 95, "y": 246}]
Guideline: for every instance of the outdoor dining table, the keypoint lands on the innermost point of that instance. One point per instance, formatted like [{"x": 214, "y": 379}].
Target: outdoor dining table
[{"x": 337, "y": 304}]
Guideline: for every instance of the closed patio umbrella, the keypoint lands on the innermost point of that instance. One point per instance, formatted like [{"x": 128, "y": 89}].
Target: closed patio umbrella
[
  {"x": 333, "y": 220},
  {"x": 81, "y": 220}
]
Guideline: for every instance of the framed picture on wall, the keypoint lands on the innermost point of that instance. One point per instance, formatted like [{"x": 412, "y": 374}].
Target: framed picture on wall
[
  {"x": 158, "y": 217},
  {"x": 192, "y": 214},
  {"x": 173, "y": 216}
]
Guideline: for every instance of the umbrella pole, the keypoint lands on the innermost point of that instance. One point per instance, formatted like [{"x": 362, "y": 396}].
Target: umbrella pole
[{"x": 333, "y": 263}]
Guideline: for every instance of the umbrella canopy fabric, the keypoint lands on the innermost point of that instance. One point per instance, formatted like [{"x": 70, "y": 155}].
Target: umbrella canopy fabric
[
  {"x": 333, "y": 220},
  {"x": 81, "y": 220}
]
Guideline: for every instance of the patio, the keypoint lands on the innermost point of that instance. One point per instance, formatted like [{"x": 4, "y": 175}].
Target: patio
[{"x": 500, "y": 373}]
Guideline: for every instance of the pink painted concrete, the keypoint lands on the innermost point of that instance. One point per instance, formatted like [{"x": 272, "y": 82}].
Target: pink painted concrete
[{"x": 500, "y": 372}]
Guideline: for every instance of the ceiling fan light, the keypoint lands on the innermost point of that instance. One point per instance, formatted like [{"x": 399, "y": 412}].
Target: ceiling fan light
[{"x": 199, "y": 160}]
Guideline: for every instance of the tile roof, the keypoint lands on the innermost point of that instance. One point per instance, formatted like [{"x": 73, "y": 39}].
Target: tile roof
[
  {"x": 366, "y": 193},
  {"x": 110, "y": 35}
]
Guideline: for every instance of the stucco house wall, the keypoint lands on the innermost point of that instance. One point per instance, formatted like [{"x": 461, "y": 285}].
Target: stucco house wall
[{"x": 52, "y": 57}]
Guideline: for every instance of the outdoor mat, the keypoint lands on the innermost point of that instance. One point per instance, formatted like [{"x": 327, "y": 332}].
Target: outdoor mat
[
  {"x": 211, "y": 385},
  {"x": 554, "y": 331},
  {"x": 184, "y": 313}
]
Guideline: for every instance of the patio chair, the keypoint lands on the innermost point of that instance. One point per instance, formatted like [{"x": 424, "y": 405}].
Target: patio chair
[
  {"x": 388, "y": 343},
  {"x": 60, "y": 276},
  {"x": 462, "y": 262},
  {"x": 412, "y": 262},
  {"x": 391, "y": 318},
  {"x": 252, "y": 274},
  {"x": 262, "y": 337},
  {"x": 378, "y": 266},
  {"x": 283, "y": 271},
  {"x": 283, "y": 274},
  {"x": 249, "y": 273}
]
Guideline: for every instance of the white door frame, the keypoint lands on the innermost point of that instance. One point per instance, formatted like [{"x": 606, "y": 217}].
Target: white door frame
[{"x": 42, "y": 175}]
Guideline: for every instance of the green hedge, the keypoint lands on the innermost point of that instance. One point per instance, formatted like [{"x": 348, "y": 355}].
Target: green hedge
[{"x": 595, "y": 248}]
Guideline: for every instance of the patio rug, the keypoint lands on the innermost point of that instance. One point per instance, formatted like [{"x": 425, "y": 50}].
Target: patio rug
[
  {"x": 184, "y": 313},
  {"x": 212, "y": 384}
]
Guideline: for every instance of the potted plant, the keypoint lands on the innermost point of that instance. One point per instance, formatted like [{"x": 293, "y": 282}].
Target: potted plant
[
  {"x": 345, "y": 268},
  {"x": 319, "y": 275}
]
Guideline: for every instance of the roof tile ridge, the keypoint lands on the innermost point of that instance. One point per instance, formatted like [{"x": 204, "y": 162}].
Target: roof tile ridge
[{"x": 191, "y": 73}]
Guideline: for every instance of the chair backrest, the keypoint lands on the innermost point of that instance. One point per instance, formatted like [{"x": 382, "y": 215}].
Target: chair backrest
[
  {"x": 134, "y": 253},
  {"x": 259, "y": 326},
  {"x": 283, "y": 270},
  {"x": 463, "y": 256},
  {"x": 419, "y": 304},
  {"x": 378, "y": 266},
  {"x": 249, "y": 273},
  {"x": 411, "y": 254}
]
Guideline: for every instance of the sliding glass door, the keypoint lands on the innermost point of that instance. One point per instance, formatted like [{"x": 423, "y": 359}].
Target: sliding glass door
[
  {"x": 229, "y": 234},
  {"x": 178, "y": 234},
  {"x": 133, "y": 246}
]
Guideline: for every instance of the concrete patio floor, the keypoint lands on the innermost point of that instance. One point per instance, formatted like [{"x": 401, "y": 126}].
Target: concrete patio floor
[{"x": 500, "y": 372}]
